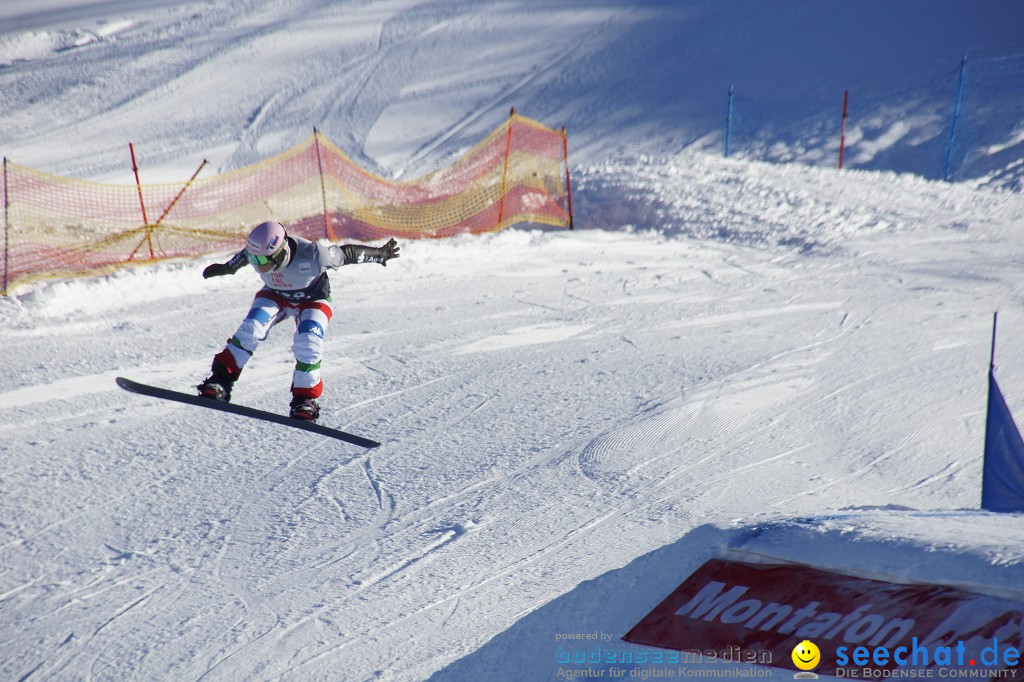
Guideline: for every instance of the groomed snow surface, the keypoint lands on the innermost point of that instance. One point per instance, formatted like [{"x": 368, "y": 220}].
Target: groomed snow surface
[
  {"x": 730, "y": 357},
  {"x": 552, "y": 406}
]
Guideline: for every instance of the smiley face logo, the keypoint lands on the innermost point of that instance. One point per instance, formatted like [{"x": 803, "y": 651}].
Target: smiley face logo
[{"x": 806, "y": 655}]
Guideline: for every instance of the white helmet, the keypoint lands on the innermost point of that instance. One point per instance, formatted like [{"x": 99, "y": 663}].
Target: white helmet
[{"x": 267, "y": 246}]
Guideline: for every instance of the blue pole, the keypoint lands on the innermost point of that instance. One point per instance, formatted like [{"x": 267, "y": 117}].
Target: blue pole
[
  {"x": 947, "y": 168},
  {"x": 728, "y": 121}
]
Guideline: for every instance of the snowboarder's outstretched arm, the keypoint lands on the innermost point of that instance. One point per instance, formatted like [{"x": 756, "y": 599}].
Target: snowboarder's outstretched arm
[
  {"x": 358, "y": 253},
  {"x": 236, "y": 263}
]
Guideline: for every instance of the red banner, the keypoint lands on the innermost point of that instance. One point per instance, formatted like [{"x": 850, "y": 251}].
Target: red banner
[{"x": 862, "y": 627}]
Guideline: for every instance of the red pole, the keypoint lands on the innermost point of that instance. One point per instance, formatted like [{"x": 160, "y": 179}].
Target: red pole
[
  {"x": 138, "y": 186},
  {"x": 568, "y": 181},
  {"x": 504, "y": 174},
  {"x": 842, "y": 129},
  {"x": 323, "y": 188},
  {"x": 149, "y": 228},
  {"x": 178, "y": 195},
  {"x": 7, "y": 205}
]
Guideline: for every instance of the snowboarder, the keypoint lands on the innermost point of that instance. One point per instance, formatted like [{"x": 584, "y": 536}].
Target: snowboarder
[{"x": 294, "y": 272}]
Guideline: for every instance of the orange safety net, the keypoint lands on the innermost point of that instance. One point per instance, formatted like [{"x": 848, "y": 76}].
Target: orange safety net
[{"x": 57, "y": 227}]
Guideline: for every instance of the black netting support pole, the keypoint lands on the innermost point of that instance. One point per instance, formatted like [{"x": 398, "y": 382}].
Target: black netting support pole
[{"x": 992, "y": 353}]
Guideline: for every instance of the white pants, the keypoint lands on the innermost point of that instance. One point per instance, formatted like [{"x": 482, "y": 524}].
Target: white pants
[{"x": 311, "y": 320}]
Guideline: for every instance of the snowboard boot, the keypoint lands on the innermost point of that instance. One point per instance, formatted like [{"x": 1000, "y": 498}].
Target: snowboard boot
[
  {"x": 218, "y": 385},
  {"x": 305, "y": 409}
]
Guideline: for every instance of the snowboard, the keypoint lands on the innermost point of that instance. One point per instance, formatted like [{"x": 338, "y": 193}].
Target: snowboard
[{"x": 199, "y": 401}]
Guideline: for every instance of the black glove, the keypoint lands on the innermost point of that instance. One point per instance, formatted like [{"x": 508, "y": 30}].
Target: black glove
[
  {"x": 388, "y": 251},
  {"x": 217, "y": 270}
]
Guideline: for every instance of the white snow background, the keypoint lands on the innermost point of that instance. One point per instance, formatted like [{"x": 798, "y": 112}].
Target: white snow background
[{"x": 755, "y": 354}]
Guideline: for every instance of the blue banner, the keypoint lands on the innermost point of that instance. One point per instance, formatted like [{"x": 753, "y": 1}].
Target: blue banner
[{"x": 1002, "y": 486}]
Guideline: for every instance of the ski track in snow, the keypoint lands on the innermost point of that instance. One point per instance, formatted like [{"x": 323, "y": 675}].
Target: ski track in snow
[{"x": 597, "y": 395}]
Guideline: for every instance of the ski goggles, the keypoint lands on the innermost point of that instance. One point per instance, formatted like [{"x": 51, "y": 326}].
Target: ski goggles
[{"x": 274, "y": 259}]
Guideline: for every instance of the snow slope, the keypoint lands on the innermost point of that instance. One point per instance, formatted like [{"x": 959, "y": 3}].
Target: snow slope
[
  {"x": 404, "y": 85},
  {"x": 735, "y": 344},
  {"x": 888, "y": 543},
  {"x": 598, "y": 394}
]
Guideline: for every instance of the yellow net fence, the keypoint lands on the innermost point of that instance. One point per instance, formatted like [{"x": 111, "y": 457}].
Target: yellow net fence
[{"x": 56, "y": 227}]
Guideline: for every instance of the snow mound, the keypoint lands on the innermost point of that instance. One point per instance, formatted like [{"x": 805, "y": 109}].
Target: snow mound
[{"x": 959, "y": 547}]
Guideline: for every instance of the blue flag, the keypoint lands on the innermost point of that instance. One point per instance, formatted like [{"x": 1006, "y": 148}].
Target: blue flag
[{"x": 1002, "y": 484}]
